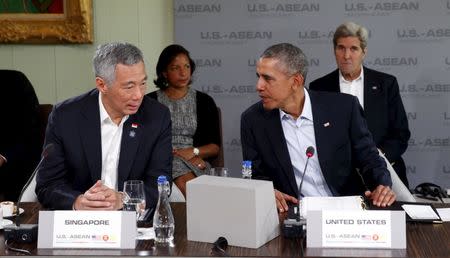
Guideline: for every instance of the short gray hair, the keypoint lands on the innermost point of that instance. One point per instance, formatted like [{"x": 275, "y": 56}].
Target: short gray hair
[
  {"x": 351, "y": 29},
  {"x": 291, "y": 58},
  {"x": 108, "y": 55}
]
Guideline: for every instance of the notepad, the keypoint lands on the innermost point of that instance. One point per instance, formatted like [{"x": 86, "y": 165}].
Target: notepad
[
  {"x": 420, "y": 212},
  {"x": 354, "y": 202},
  {"x": 444, "y": 213}
]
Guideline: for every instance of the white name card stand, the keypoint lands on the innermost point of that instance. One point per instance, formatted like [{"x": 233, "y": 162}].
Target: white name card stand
[
  {"x": 356, "y": 229},
  {"x": 241, "y": 210},
  {"x": 87, "y": 229}
]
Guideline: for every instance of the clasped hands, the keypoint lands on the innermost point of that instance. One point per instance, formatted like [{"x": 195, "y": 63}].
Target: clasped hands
[
  {"x": 382, "y": 196},
  {"x": 99, "y": 197},
  {"x": 188, "y": 154}
]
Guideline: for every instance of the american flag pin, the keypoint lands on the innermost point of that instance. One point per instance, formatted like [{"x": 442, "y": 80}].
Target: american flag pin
[
  {"x": 132, "y": 133},
  {"x": 326, "y": 124},
  {"x": 134, "y": 125}
]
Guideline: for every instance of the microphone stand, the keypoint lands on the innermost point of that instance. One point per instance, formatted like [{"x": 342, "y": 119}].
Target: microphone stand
[
  {"x": 300, "y": 216},
  {"x": 295, "y": 224},
  {"x": 25, "y": 233}
]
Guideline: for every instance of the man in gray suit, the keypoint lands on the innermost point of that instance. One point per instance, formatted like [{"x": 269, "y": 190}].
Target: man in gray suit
[
  {"x": 377, "y": 92},
  {"x": 106, "y": 136}
]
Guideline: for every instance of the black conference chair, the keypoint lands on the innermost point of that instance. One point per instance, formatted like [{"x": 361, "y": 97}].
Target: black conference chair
[
  {"x": 20, "y": 141},
  {"x": 29, "y": 194},
  {"x": 219, "y": 160}
]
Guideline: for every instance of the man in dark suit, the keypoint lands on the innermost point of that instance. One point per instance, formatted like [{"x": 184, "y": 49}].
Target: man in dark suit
[
  {"x": 106, "y": 136},
  {"x": 377, "y": 92},
  {"x": 20, "y": 144},
  {"x": 276, "y": 131}
]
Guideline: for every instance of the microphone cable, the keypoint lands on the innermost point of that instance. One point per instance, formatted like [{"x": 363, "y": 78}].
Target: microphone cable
[{"x": 19, "y": 250}]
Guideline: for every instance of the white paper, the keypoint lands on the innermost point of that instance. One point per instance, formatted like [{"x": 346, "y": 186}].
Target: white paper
[
  {"x": 5, "y": 222},
  {"x": 420, "y": 211},
  {"x": 444, "y": 213},
  {"x": 145, "y": 234},
  {"x": 330, "y": 203}
]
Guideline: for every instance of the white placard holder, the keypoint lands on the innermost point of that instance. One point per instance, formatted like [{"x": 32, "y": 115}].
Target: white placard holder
[
  {"x": 356, "y": 229},
  {"x": 87, "y": 229},
  {"x": 241, "y": 210}
]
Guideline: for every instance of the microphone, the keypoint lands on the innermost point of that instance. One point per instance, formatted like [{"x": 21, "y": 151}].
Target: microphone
[
  {"x": 309, "y": 153},
  {"x": 295, "y": 224},
  {"x": 27, "y": 232}
]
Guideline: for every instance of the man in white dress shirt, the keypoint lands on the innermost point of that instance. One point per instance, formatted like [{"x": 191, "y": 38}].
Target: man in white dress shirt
[
  {"x": 106, "y": 136},
  {"x": 377, "y": 92},
  {"x": 276, "y": 132}
]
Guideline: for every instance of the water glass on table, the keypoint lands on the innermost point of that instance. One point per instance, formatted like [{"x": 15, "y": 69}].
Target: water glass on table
[
  {"x": 219, "y": 171},
  {"x": 134, "y": 197}
]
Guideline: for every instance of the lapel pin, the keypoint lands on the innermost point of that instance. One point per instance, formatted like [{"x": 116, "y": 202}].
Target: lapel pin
[
  {"x": 326, "y": 124},
  {"x": 134, "y": 125},
  {"x": 374, "y": 87},
  {"x": 132, "y": 133}
]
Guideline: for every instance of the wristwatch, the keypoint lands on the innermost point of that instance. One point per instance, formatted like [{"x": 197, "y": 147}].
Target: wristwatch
[{"x": 196, "y": 151}]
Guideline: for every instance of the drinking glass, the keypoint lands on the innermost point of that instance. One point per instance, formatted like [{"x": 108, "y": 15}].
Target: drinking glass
[
  {"x": 134, "y": 197},
  {"x": 219, "y": 171}
]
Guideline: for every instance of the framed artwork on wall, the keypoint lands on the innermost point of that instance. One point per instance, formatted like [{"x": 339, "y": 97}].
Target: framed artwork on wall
[{"x": 46, "y": 21}]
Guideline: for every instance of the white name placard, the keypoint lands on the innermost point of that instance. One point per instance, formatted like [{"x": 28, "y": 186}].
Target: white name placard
[
  {"x": 356, "y": 229},
  {"x": 87, "y": 229}
]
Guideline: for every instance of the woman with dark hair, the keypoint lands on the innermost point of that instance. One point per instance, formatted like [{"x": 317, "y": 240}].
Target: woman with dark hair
[{"x": 195, "y": 120}]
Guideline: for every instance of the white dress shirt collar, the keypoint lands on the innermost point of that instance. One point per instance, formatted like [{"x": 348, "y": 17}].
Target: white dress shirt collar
[
  {"x": 299, "y": 135},
  {"x": 360, "y": 77},
  {"x": 111, "y": 137},
  {"x": 104, "y": 114},
  {"x": 306, "y": 112},
  {"x": 355, "y": 87}
]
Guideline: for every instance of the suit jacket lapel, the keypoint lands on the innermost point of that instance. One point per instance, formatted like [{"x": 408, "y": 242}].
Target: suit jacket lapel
[
  {"x": 335, "y": 85},
  {"x": 131, "y": 135},
  {"x": 276, "y": 137},
  {"x": 91, "y": 136},
  {"x": 372, "y": 89},
  {"x": 322, "y": 131}
]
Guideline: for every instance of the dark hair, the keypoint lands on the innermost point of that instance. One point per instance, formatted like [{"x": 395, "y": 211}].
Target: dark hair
[
  {"x": 291, "y": 58},
  {"x": 167, "y": 56}
]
